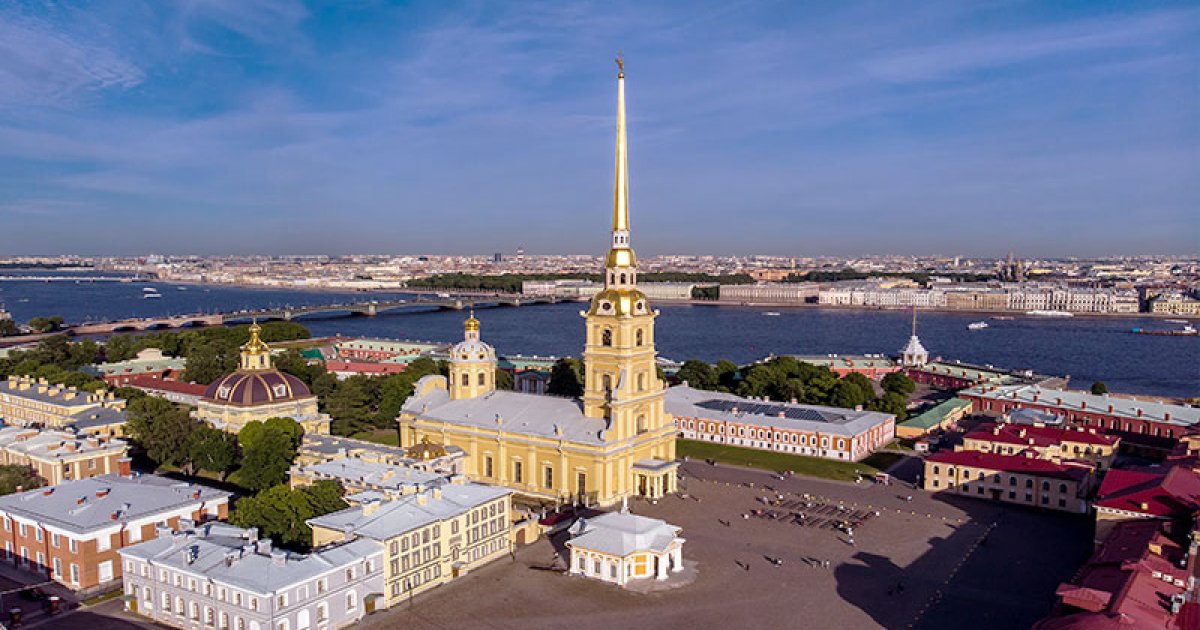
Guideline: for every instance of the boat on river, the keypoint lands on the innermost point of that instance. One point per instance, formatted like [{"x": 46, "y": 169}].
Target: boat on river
[
  {"x": 977, "y": 325},
  {"x": 1045, "y": 313},
  {"x": 1187, "y": 331}
]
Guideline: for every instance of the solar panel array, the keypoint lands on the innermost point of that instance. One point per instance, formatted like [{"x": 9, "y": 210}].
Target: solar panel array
[{"x": 773, "y": 410}]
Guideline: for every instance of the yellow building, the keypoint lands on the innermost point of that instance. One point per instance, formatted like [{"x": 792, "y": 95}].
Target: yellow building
[
  {"x": 257, "y": 391},
  {"x": 615, "y": 442},
  {"x": 58, "y": 456},
  {"x": 430, "y": 537},
  {"x": 618, "y": 547},
  {"x": 30, "y": 402}
]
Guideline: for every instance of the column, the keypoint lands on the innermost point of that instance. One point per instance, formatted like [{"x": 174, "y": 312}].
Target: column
[
  {"x": 661, "y": 562},
  {"x": 677, "y": 559}
]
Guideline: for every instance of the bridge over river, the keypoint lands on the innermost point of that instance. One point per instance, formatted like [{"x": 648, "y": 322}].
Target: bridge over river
[{"x": 370, "y": 308}]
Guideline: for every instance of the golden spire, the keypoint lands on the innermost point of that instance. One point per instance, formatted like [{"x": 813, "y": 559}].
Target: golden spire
[
  {"x": 621, "y": 192},
  {"x": 256, "y": 344}
]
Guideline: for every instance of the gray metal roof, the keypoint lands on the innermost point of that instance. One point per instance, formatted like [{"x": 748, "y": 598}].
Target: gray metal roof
[
  {"x": 88, "y": 505},
  {"x": 685, "y": 401},
  {"x": 622, "y": 534},
  {"x": 229, "y": 555},
  {"x": 392, "y": 518},
  {"x": 375, "y": 474},
  {"x": 529, "y": 414},
  {"x": 55, "y": 444},
  {"x": 1125, "y": 407}
]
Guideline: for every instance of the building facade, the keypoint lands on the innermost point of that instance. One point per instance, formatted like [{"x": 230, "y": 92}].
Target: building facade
[
  {"x": 1048, "y": 443},
  {"x": 26, "y": 401},
  {"x": 1017, "y": 479},
  {"x": 219, "y": 576},
  {"x": 619, "y": 547},
  {"x": 73, "y": 532},
  {"x": 615, "y": 442},
  {"x": 150, "y": 362},
  {"x": 828, "y": 432},
  {"x": 58, "y": 456},
  {"x": 429, "y": 538}
]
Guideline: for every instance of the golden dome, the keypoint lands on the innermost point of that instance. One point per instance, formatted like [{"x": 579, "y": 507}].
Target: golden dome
[
  {"x": 256, "y": 344},
  {"x": 472, "y": 324},
  {"x": 619, "y": 302},
  {"x": 426, "y": 450}
]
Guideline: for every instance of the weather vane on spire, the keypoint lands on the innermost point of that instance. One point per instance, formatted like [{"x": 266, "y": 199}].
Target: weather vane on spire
[{"x": 621, "y": 61}]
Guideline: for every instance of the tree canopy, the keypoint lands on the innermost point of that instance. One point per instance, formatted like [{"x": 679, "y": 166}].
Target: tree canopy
[
  {"x": 566, "y": 378},
  {"x": 280, "y": 512},
  {"x": 1099, "y": 388},
  {"x": 163, "y": 429},
  {"x": 268, "y": 450},
  {"x": 14, "y": 476}
]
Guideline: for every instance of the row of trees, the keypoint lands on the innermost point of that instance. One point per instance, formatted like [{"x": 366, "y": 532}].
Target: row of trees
[
  {"x": 58, "y": 360},
  {"x": 786, "y": 379},
  {"x": 210, "y": 353},
  {"x": 260, "y": 454}
]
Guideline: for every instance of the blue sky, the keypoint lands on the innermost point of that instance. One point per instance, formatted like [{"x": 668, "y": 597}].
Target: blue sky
[{"x": 798, "y": 128}]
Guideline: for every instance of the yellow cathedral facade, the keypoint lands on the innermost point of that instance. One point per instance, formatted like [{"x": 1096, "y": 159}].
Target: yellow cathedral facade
[{"x": 615, "y": 442}]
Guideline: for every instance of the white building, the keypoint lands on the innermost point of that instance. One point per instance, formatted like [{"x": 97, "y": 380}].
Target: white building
[
  {"x": 618, "y": 547},
  {"x": 224, "y": 577}
]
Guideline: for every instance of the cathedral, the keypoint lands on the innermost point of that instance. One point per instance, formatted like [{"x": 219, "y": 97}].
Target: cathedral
[
  {"x": 257, "y": 391},
  {"x": 614, "y": 442}
]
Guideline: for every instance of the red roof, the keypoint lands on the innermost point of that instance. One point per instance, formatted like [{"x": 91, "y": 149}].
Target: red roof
[
  {"x": 1009, "y": 463},
  {"x": 363, "y": 367},
  {"x": 143, "y": 381},
  {"x": 1171, "y": 493},
  {"x": 1036, "y": 436}
]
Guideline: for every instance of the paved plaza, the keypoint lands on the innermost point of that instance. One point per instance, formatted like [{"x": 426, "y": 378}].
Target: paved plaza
[{"x": 959, "y": 564}]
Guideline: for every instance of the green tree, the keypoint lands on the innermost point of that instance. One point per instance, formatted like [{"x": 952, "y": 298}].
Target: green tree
[
  {"x": 14, "y": 476},
  {"x": 46, "y": 324},
  {"x": 163, "y": 429},
  {"x": 899, "y": 383},
  {"x": 8, "y": 327},
  {"x": 1099, "y": 388},
  {"x": 566, "y": 378},
  {"x": 504, "y": 380},
  {"x": 698, "y": 374},
  {"x": 268, "y": 450},
  {"x": 280, "y": 512},
  {"x": 213, "y": 450},
  {"x": 349, "y": 404},
  {"x": 863, "y": 383},
  {"x": 848, "y": 395},
  {"x": 727, "y": 375},
  {"x": 205, "y": 365},
  {"x": 118, "y": 348},
  {"x": 893, "y": 403}
]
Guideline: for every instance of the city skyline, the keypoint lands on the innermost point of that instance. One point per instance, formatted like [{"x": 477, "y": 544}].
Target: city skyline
[{"x": 757, "y": 128}]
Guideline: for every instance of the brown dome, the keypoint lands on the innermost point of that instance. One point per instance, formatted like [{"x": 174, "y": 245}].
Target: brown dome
[{"x": 256, "y": 387}]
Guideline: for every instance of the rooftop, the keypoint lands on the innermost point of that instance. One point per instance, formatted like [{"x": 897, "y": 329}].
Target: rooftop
[
  {"x": 53, "y": 444},
  {"x": 381, "y": 521},
  {"x": 1020, "y": 464},
  {"x": 934, "y": 416},
  {"x": 621, "y": 534},
  {"x": 1072, "y": 400},
  {"x": 685, "y": 401},
  {"x": 88, "y": 505},
  {"x": 380, "y": 475},
  {"x": 234, "y": 556},
  {"x": 1024, "y": 435},
  {"x": 1163, "y": 492}
]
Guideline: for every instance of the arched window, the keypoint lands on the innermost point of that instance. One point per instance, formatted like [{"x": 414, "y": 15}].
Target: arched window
[
  {"x": 482, "y": 378},
  {"x": 1062, "y": 487},
  {"x": 606, "y": 337},
  {"x": 640, "y": 337},
  {"x": 622, "y": 278}
]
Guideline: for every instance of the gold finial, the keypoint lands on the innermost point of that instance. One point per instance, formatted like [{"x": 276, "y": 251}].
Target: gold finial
[
  {"x": 472, "y": 324},
  {"x": 620, "y": 64},
  {"x": 255, "y": 345}
]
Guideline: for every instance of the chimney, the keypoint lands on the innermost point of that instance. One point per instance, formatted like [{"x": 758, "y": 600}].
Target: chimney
[
  {"x": 278, "y": 557},
  {"x": 1139, "y": 412},
  {"x": 102, "y": 492},
  {"x": 1036, "y": 396},
  {"x": 1058, "y": 401},
  {"x": 1145, "y": 506},
  {"x": 1083, "y": 404},
  {"x": 370, "y": 507},
  {"x": 422, "y": 499},
  {"x": 125, "y": 467},
  {"x": 263, "y": 547},
  {"x": 1167, "y": 416},
  {"x": 80, "y": 500},
  {"x": 437, "y": 493},
  {"x": 196, "y": 493},
  {"x": 1110, "y": 408},
  {"x": 48, "y": 491}
]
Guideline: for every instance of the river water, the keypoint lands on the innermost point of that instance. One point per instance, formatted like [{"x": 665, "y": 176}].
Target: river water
[{"x": 1085, "y": 348}]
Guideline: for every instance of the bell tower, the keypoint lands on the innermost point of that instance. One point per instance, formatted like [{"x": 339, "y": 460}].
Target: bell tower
[
  {"x": 472, "y": 364},
  {"x": 621, "y": 381}
]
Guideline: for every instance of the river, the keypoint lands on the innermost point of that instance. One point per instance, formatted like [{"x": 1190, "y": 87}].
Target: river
[{"x": 1085, "y": 348}]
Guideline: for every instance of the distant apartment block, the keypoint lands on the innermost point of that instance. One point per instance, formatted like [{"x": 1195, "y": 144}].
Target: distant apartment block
[{"x": 770, "y": 293}]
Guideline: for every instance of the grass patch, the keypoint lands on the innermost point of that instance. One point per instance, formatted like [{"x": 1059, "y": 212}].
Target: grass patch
[
  {"x": 103, "y": 597},
  {"x": 779, "y": 462},
  {"x": 387, "y": 437}
]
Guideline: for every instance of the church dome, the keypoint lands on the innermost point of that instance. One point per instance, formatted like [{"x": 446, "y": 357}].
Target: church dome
[
  {"x": 256, "y": 387},
  {"x": 472, "y": 350}
]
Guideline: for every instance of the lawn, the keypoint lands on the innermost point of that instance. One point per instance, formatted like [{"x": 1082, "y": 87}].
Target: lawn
[
  {"x": 379, "y": 436},
  {"x": 779, "y": 462}
]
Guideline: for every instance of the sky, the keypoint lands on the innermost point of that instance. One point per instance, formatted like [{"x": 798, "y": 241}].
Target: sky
[{"x": 446, "y": 127}]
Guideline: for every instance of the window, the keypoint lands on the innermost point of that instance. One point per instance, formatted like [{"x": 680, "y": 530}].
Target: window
[
  {"x": 58, "y": 568},
  {"x": 466, "y": 379},
  {"x": 322, "y": 612},
  {"x": 1012, "y": 481},
  {"x": 641, "y": 424},
  {"x": 281, "y": 601},
  {"x": 1062, "y": 487},
  {"x": 581, "y": 482},
  {"x": 640, "y": 337},
  {"x": 54, "y": 540},
  {"x": 104, "y": 542},
  {"x": 1062, "y": 503},
  {"x": 549, "y": 477},
  {"x": 351, "y": 601},
  {"x": 72, "y": 545},
  {"x": 517, "y": 472},
  {"x": 37, "y": 534},
  {"x": 322, "y": 585},
  {"x": 606, "y": 337},
  {"x": 1046, "y": 486},
  {"x": 482, "y": 380}
]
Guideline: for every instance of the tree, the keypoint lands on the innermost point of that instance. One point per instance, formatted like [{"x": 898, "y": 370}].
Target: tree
[
  {"x": 205, "y": 365},
  {"x": 14, "y": 476},
  {"x": 698, "y": 374},
  {"x": 268, "y": 450},
  {"x": 213, "y": 450},
  {"x": 566, "y": 378},
  {"x": 1099, "y": 388},
  {"x": 280, "y": 512},
  {"x": 118, "y": 348},
  {"x": 349, "y": 404},
  {"x": 8, "y": 327},
  {"x": 45, "y": 324},
  {"x": 848, "y": 394},
  {"x": 504, "y": 379},
  {"x": 727, "y": 375},
  {"x": 893, "y": 403},
  {"x": 863, "y": 383},
  {"x": 899, "y": 383},
  {"x": 163, "y": 429}
]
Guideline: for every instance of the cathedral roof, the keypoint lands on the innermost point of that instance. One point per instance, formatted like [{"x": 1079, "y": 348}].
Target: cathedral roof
[
  {"x": 549, "y": 417},
  {"x": 256, "y": 387}
]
